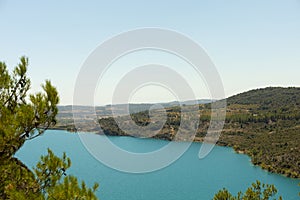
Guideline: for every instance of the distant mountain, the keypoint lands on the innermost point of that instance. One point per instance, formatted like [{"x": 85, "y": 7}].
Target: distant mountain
[
  {"x": 86, "y": 114},
  {"x": 121, "y": 109}
]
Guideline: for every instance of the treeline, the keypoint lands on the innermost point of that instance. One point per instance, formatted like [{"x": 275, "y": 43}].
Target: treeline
[{"x": 262, "y": 117}]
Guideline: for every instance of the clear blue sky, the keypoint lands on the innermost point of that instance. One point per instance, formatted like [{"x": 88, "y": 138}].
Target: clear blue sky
[{"x": 253, "y": 43}]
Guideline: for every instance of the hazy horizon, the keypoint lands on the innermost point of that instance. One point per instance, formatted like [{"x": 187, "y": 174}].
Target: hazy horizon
[
  {"x": 165, "y": 102},
  {"x": 252, "y": 44}
]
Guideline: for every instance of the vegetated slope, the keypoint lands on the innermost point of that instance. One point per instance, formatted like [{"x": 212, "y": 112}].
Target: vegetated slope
[
  {"x": 269, "y": 98},
  {"x": 262, "y": 123}
]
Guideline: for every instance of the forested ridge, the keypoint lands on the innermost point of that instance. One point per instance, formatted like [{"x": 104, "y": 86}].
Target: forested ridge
[{"x": 263, "y": 123}]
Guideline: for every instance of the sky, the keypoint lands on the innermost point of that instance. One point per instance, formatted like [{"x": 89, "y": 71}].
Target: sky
[{"x": 253, "y": 44}]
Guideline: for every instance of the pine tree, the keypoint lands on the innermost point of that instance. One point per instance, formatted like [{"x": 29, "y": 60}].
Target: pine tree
[{"x": 24, "y": 117}]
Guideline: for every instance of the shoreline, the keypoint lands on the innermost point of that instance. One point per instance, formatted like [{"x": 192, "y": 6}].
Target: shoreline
[{"x": 196, "y": 140}]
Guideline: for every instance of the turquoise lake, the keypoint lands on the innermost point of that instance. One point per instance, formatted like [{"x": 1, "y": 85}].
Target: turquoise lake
[{"x": 189, "y": 178}]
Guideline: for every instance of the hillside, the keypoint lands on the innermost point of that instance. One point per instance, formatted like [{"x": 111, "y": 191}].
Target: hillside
[
  {"x": 262, "y": 123},
  {"x": 270, "y": 96}
]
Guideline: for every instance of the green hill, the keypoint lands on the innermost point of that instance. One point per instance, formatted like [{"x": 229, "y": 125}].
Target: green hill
[
  {"x": 263, "y": 123},
  {"x": 268, "y": 98}
]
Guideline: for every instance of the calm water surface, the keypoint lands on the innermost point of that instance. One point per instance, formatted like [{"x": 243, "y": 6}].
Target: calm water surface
[{"x": 187, "y": 179}]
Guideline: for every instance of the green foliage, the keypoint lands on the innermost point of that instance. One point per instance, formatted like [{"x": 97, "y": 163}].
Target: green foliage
[
  {"x": 50, "y": 169},
  {"x": 224, "y": 194},
  {"x": 69, "y": 189},
  {"x": 17, "y": 180},
  {"x": 257, "y": 191},
  {"x": 24, "y": 117},
  {"x": 56, "y": 184}
]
